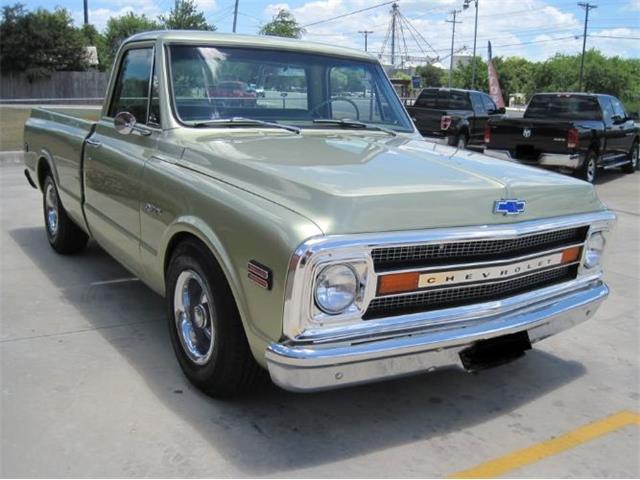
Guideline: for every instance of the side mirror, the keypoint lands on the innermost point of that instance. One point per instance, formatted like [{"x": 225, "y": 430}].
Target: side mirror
[
  {"x": 124, "y": 123},
  {"x": 617, "y": 119},
  {"x": 498, "y": 111}
]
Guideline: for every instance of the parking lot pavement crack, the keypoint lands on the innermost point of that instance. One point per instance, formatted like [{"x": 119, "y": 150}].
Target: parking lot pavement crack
[{"x": 73, "y": 332}]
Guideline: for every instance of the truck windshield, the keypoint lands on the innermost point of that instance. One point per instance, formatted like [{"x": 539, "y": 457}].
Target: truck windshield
[
  {"x": 570, "y": 107},
  {"x": 217, "y": 83}
]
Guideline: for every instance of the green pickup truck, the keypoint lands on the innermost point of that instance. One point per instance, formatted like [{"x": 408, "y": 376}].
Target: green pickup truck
[{"x": 310, "y": 230}]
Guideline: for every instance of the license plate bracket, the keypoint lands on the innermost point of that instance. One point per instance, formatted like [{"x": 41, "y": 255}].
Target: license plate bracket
[{"x": 495, "y": 351}]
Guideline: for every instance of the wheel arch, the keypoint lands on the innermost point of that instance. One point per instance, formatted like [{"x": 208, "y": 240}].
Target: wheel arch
[{"x": 45, "y": 164}]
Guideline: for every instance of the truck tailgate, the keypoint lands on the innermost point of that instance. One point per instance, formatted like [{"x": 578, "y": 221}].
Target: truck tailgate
[{"x": 526, "y": 138}]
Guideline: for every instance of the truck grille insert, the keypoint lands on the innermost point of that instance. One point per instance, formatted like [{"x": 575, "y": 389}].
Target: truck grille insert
[
  {"x": 458, "y": 296},
  {"x": 389, "y": 258}
]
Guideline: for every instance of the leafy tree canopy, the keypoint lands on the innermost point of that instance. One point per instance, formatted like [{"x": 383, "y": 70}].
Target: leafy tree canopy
[
  {"x": 120, "y": 28},
  {"x": 40, "y": 41},
  {"x": 283, "y": 24},
  {"x": 185, "y": 16}
]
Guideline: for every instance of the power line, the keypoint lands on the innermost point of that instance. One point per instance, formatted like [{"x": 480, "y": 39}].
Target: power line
[
  {"x": 347, "y": 14},
  {"x": 614, "y": 36}
]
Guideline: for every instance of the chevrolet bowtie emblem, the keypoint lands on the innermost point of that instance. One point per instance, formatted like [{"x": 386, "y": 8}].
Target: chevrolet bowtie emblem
[{"x": 509, "y": 207}]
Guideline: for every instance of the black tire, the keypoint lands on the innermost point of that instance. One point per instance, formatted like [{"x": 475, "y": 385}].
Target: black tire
[
  {"x": 633, "y": 164},
  {"x": 588, "y": 171},
  {"x": 226, "y": 367},
  {"x": 63, "y": 234},
  {"x": 461, "y": 140}
]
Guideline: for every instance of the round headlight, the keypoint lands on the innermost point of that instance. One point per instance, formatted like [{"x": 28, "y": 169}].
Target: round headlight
[
  {"x": 336, "y": 288},
  {"x": 595, "y": 247}
]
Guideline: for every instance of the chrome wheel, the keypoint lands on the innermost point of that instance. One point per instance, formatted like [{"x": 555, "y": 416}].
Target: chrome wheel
[
  {"x": 634, "y": 157},
  {"x": 51, "y": 205},
  {"x": 591, "y": 170},
  {"x": 193, "y": 313}
]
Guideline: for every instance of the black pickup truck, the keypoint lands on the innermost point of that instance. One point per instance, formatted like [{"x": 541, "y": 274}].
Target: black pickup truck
[
  {"x": 453, "y": 116},
  {"x": 572, "y": 132}
]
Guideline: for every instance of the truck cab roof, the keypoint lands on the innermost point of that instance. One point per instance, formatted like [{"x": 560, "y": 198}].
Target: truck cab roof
[{"x": 251, "y": 41}]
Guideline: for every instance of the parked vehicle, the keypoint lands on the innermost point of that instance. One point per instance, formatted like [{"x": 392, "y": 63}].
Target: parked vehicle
[
  {"x": 575, "y": 133},
  {"x": 330, "y": 251},
  {"x": 453, "y": 116},
  {"x": 233, "y": 94}
]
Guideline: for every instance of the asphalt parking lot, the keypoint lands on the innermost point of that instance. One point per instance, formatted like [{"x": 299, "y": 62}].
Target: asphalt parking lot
[{"x": 90, "y": 386}]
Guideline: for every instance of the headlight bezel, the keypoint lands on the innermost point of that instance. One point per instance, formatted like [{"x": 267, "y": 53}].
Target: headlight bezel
[{"x": 593, "y": 263}]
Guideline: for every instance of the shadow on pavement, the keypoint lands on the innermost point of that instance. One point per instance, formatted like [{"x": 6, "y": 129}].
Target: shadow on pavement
[{"x": 275, "y": 431}]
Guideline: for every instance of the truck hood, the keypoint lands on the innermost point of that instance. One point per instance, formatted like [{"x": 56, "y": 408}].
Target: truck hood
[{"x": 370, "y": 182}]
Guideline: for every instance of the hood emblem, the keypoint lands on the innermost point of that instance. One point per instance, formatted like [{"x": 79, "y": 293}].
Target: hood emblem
[
  {"x": 509, "y": 207},
  {"x": 526, "y": 132}
]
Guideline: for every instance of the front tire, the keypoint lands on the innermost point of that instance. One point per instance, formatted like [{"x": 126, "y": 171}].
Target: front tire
[
  {"x": 63, "y": 234},
  {"x": 632, "y": 166},
  {"x": 204, "y": 324},
  {"x": 588, "y": 171}
]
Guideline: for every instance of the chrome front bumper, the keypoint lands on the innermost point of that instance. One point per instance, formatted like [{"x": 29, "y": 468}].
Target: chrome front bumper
[
  {"x": 570, "y": 161},
  {"x": 305, "y": 367}
]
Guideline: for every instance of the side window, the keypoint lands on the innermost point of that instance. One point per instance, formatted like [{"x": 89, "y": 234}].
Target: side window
[
  {"x": 489, "y": 103},
  {"x": 618, "y": 108},
  {"x": 478, "y": 106},
  {"x": 607, "y": 108},
  {"x": 132, "y": 85}
]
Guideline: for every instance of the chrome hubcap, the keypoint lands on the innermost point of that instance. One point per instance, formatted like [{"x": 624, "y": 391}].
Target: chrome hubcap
[
  {"x": 461, "y": 143},
  {"x": 193, "y": 315},
  {"x": 634, "y": 158},
  {"x": 51, "y": 206}
]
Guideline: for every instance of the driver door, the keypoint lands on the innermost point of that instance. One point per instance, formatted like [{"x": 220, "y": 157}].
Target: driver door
[{"x": 114, "y": 161}]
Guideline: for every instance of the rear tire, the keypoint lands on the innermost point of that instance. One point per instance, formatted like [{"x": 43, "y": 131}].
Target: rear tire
[
  {"x": 632, "y": 166},
  {"x": 588, "y": 171},
  {"x": 204, "y": 324},
  {"x": 460, "y": 141},
  {"x": 63, "y": 234}
]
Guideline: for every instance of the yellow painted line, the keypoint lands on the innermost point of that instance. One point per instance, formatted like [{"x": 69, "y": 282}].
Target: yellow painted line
[{"x": 519, "y": 458}]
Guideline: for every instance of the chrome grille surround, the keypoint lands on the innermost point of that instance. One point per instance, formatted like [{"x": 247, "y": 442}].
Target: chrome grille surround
[
  {"x": 415, "y": 256},
  {"x": 300, "y": 327}
]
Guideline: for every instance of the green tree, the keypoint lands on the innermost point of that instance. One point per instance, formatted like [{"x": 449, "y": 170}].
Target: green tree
[
  {"x": 432, "y": 76},
  {"x": 39, "y": 42},
  {"x": 185, "y": 16},
  {"x": 283, "y": 24},
  {"x": 120, "y": 28}
]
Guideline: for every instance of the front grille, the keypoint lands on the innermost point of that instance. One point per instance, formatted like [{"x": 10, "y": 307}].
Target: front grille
[
  {"x": 387, "y": 258},
  {"x": 458, "y": 296}
]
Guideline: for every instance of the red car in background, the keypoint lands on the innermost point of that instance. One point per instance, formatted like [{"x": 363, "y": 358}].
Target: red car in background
[{"x": 233, "y": 93}]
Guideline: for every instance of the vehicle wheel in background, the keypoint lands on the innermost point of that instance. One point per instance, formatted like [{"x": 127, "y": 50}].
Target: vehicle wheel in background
[
  {"x": 588, "y": 171},
  {"x": 633, "y": 157},
  {"x": 459, "y": 141},
  {"x": 63, "y": 234},
  {"x": 204, "y": 324}
]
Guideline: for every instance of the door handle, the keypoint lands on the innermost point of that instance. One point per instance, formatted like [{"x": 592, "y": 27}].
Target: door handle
[{"x": 93, "y": 143}]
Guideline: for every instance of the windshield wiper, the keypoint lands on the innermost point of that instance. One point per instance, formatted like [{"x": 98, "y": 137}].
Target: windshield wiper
[
  {"x": 247, "y": 121},
  {"x": 348, "y": 123}
]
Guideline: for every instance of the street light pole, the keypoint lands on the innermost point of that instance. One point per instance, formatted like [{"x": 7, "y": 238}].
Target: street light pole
[
  {"x": 587, "y": 7},
  {"x": 453, "y": 36},
  {"x": 475, "y": 38},
  {"x": 366, "y": 35},
  {"x": 86, "y": 12},
  {"x": 235, "y": 16}
]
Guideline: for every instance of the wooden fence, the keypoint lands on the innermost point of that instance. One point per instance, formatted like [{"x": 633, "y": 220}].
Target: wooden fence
[{"x": 85, "y": 86}]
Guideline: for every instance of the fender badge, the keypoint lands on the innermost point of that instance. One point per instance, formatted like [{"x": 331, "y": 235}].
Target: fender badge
[
  {"x": 260, "y": 274},
  {"x": 509, "y": 207}
]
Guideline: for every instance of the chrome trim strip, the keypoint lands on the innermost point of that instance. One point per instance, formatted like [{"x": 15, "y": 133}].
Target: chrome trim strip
[
  {"x": 307, "y": 368},
  {"x": 297, "y": 314}
]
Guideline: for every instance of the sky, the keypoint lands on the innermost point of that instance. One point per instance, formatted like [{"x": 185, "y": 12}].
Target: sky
[{"x": 534, "y": 29}]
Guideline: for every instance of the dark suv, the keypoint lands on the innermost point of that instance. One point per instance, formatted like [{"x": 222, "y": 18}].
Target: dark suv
[{"x": 457, "y": 117}]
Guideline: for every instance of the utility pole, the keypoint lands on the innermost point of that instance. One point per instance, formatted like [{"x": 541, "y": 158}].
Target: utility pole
[
  {"x": 235, "y": 16},
  {"x": 394, "y": 14},
  {"x": 453, "y": 36},
  {"x": 475, "y": 38},
  {"x": 86, "y": 12},
  {"x": 587, "y": 6},
  {"x": 366, "y": 35}
]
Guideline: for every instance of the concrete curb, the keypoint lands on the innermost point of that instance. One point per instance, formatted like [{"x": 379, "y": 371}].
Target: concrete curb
[{"x": 16, "y": 156}]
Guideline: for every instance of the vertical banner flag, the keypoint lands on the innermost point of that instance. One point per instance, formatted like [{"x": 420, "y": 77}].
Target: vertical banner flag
[{"x": 494, "y": 83}]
